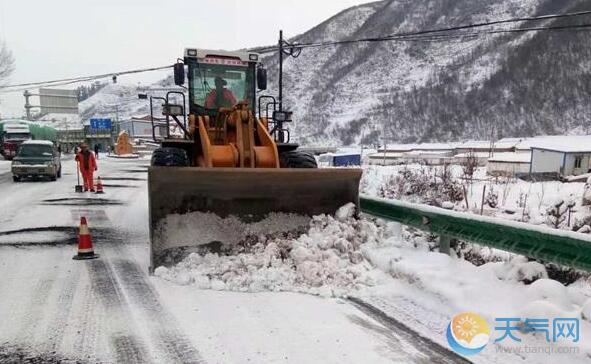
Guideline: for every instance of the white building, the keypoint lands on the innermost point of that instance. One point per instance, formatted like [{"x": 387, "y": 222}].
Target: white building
[
  {"x": 561, "y": 155},
  {"x": 509, "y": 164},
  {"x": 141, "y": 126},
  {"x": 428, "y": 157},
  {"x": 425, "y": 153},
  {"x": 481, "y": 158}
]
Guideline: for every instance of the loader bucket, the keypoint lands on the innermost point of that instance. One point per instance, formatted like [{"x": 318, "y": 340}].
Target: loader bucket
[{"x": 248, "y": 195}]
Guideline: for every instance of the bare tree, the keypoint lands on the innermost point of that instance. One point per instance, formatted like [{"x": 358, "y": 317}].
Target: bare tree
[
  {"x": 6, "y": 62},
  {"x": 469, "y": 166}
]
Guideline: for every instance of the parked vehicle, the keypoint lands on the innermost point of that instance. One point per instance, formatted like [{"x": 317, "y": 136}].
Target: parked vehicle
[
  {"x": 11, "y": 136},
  {"x": 15, "y": 131},
  {"x": 36, "y": 158}
]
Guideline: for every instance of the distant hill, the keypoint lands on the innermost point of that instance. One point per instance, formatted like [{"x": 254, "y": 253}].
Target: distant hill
[
  {"x": 518, "y": 84},
  {"x": 503, "y": 85}
]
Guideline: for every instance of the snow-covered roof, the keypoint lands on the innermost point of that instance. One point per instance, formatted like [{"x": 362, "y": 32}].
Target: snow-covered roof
[
  {"x": 435, "y": 146},
  {"x": 419, "y": 147},
  {"x": 427, "y": 153},
  {"x": 38, "y": 142},
  {"x": 393, "y": 148},
  {"x": 511, "y": 157},
  {"x": 474, "y": 144},
  {"x": 563, "y": 143}
]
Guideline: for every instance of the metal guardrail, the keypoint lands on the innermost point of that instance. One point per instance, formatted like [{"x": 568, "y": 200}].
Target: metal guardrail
[{"x": 549, "y": 245}]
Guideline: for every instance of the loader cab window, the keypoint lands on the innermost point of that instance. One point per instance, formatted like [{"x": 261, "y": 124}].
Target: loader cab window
[{"x": 213, "y": 85}]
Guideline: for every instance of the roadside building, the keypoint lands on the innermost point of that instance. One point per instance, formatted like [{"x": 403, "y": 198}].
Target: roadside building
[
  {"x": 385, "y": 158},
  {"x": 561, "y": 156},
  {"x": 103, "y": 137},
  {"x": 486, "y": 146},
  {"x": 69, "y": 138},
  {"x": 509, "y": 164},
  {"x": 425, "y": 153},
  {"x": 428, "y": 157},
  {"x": 140, "y": 127},
  {"x": 390, "y": 155},
  {"x": 339, "y": 159},
  {"x": 481, "y": 158}
]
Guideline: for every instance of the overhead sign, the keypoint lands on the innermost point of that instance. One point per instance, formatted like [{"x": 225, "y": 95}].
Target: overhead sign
[
  {"x": 54, "y": 101},
  {"x": 97, "y": 124}
]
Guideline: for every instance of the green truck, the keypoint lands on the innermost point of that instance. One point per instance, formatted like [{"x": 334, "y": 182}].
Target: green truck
[{"x": 13, "y": 132}]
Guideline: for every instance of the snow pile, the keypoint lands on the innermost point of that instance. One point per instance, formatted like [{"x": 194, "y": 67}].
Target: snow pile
[
  {"x": 201, "y": 228},
  {"x": 326, "y": 260},
  {"x": 519, "y": 269}
]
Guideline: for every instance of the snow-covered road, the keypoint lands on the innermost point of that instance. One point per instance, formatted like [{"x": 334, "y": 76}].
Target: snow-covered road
[{"x": 55, "y": 309}]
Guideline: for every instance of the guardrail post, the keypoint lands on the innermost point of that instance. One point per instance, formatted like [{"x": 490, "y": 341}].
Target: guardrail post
[{"x": 444, "y": 244}]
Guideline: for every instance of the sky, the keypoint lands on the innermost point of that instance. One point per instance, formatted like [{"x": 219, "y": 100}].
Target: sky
[{"x": 68, "y": 38}]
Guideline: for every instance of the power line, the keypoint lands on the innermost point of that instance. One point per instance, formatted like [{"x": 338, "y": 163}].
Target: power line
[
  {"x": 497, "y": 22},
  {"x": 432, "y": 38},
  {"x": 407, "y": 36},
  {"x": 67, "y": 81},
  {"x": 430, "y": 35}
]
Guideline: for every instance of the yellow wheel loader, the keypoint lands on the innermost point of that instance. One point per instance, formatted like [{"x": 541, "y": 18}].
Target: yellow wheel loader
[{"x": 219, "y": 157}]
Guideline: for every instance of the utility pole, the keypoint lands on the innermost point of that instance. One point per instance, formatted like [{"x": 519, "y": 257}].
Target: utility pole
[
  {"x": 28, "y": 105},
  {"x": 279, "y": 124},
  {"x": 281, "y": 70},
  {"x": 384, "y": 137}
]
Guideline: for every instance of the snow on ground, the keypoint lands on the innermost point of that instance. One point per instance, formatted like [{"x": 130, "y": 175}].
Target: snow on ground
[
  {"x": 4, "y": 165},
  {"x": 371, "y": 259},
  {"x": 387, "y": 266},
  {"x": 326, "y": 260},
  {"x": 398, "y": 272},
  {"x": 233, "y": 327},
  {"x": 516, "y": 199},
  {"x": 440, "y": 286},
  {"x": 110, "y": 310}
]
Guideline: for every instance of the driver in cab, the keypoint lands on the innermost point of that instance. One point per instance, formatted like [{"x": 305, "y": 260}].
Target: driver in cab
[{"x": 220, "y": 96}]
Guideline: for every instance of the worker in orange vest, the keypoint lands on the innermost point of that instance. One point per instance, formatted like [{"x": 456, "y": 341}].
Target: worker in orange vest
[{"x": 88, "y": 165}]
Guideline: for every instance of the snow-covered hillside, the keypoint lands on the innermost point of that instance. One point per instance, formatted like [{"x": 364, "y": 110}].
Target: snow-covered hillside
[
  {"x": 518, "y": 84},
  {"x": 121, "y": 100},
  {"x": 423, "y": 91}
]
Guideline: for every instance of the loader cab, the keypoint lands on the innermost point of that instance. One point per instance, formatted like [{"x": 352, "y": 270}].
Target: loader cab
[{"x": 220, "y": 79}]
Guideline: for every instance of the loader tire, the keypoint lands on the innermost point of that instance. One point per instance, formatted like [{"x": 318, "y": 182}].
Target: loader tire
[
  {"x": 170, "y": 157},
  {"x": 297, "y": 159}
]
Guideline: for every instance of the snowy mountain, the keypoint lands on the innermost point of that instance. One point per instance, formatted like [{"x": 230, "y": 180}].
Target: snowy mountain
[
  {"x": 517, "y": 84},
  {"x": 120, "y": 101}
]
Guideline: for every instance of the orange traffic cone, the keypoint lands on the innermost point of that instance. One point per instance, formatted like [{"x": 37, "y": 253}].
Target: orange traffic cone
[
  {"x": 85, "y": 250},
  {"x": 99, "y": 186}
]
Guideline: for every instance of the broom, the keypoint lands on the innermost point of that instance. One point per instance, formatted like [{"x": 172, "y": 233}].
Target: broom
[{"x": 78, "y": 187}]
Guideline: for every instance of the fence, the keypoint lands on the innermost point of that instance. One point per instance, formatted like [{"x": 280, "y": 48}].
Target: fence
[{"x": 549, "y": 245}]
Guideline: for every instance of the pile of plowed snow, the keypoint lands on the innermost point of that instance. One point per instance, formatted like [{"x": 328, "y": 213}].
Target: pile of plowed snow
[{"x": 326, "y": 260}]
